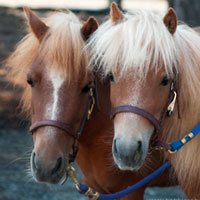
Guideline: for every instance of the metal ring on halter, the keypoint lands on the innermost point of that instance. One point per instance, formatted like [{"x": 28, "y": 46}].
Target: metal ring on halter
[
  {"x": 171, "y": 152},
  {"x": 91, "y": 108},
  {"x": 93, "y": 195},
  {"x": 170, "y": 108}
]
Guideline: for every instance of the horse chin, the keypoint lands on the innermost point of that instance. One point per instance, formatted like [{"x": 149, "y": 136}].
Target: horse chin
[
  {"x": 129, "y": 167},
  {"x": 60, "y": 180}
]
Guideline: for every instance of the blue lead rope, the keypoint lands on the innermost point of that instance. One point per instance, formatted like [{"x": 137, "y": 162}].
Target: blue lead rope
[
  {"x": 178, "y": 144},
  {"x": 147, "y": 179},
  {"x": 173, "y": 147}
]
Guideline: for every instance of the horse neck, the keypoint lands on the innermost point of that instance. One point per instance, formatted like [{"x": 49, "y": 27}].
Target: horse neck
[
  {"x": 100, "y": 121},
  {"x": 186, "y": 162}
]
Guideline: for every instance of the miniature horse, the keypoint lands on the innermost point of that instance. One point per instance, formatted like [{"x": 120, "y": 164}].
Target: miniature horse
[
  {"x": 52, "y": 63},
  {"x": 152, "y": 60}
]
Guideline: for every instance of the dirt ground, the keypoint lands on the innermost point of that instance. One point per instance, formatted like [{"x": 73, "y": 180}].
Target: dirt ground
[{"x": 16, "y": 143}]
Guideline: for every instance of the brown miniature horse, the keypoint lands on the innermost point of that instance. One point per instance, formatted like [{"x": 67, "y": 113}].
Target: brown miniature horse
[
  {"x": 152, "y": 62},
  {"x": 52, "y": 63}
]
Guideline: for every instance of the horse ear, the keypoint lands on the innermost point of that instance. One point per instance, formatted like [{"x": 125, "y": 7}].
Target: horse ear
[
  {"x": 38, "y": 27},
  {"x": 170, "y": 20},
  {"x": 89, "y": 27},
  {"x": 115, "y": 13}
]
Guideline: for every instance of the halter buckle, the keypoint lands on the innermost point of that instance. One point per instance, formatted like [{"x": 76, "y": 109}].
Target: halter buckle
[
  {"x": 171, "y": 106},
  {"x": 91, "y": 108},
  {"x": 93, "y": 195},
  {"x": 72, "y": 174}
]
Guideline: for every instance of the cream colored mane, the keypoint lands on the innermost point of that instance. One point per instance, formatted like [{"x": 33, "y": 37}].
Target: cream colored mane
[
  {"x": 142, "y": 41},
  {"x": 61, "y": 48},
  {"x": 128, "y": 44}
]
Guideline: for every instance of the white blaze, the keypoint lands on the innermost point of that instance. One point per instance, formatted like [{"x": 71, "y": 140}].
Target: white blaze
[{"x": 56, "y": 80}]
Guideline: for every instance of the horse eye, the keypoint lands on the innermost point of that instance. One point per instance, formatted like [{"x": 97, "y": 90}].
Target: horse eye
[
  {"x": 86, "y": 88},
  {"x": 111, "y": 77},
  {"x": 165, "y": 81},
  {"x": 30, "y": 81}
]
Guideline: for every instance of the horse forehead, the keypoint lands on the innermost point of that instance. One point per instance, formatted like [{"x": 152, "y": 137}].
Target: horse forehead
[
  {"x": 127, "y": 92},
  {"x": 134, "y": 89},
  {"x": 56, "y": 78}
]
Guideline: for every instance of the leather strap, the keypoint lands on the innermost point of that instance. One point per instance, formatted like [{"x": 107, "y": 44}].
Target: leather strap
[
  {"x": 66, "y": 127},
  {"x": 57, "y": 124},
  {"x": 138, "y": 111}
]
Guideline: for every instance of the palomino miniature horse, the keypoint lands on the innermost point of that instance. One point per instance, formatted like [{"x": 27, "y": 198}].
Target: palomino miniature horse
[
  {"x": 148, "y": 59},
  {"x": 53, "y": 66}
]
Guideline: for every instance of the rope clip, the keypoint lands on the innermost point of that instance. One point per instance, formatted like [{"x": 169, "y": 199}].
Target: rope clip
[{"x": 91, "y": 108}]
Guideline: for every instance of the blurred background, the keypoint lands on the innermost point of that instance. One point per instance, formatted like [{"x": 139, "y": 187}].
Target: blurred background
[{"x": 15, "y": 142}]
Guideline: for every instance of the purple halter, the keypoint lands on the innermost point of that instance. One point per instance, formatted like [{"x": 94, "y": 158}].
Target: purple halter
[{"x": 139, "y": 111}]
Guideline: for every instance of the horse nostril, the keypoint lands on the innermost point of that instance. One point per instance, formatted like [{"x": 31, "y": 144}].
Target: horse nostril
[
  {"x": 58, "y": 166},
  {"x": 34, "y": 161},
  {"x": 115, "y": 146},
  {"x": 139, "y": 149}
]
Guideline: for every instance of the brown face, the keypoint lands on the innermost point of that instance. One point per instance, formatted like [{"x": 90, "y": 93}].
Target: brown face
[
  {"x": 55, "y": 96},
  {"x": 132, "y": 131}
]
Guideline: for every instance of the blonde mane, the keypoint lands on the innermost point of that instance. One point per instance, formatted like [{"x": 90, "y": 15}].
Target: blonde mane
[
  {"x": 142, "y": 41},
  {"x": 61, "y": 48},
  {"x": 128, "y": 44}
]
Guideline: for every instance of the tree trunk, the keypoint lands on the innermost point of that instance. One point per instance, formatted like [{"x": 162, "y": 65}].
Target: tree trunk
[{"x": 188, "y": 11}]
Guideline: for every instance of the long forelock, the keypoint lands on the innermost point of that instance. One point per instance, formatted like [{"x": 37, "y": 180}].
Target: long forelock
[
  {"x": 62, "y": 49},
  {"x": 140, "y": 41}
]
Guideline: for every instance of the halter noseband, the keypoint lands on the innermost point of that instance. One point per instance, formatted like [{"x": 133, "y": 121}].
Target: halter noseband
[
  {"x": 57, "y": 124},
  {"x": 66, "y": 127},
  {"x": 139, "y": 111}
]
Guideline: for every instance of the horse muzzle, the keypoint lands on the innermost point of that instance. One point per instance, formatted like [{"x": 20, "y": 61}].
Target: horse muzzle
[
  {"x": 49, "y": 171},
  {"x": 128, "y": 156}
]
